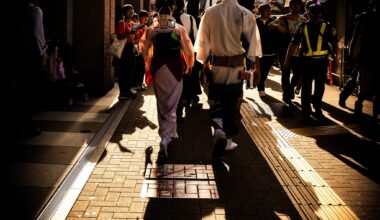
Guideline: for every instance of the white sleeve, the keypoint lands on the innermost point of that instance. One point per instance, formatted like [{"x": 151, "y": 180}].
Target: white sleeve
[
  {"x": 201, "y": 46},
  {"x": 252, "y": 34}
]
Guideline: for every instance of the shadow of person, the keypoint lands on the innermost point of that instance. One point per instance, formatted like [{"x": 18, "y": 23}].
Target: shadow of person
[
  {"x": 361, "y": 125},
  {"x": 134, "y": 115},
  {"x": 148, "y": 159},
  {"x": 353, "y": 145},
  {"x": 192, "y": 186}
]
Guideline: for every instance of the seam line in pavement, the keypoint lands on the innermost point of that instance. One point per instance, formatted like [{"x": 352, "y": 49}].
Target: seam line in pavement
[{"x": 61, "y": 202}]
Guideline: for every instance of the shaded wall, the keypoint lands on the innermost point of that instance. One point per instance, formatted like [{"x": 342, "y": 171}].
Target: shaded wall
[{"x": 93, "y": 23}]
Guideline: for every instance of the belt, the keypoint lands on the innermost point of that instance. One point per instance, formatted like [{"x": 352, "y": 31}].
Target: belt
[{"x": 230, "y": 61}]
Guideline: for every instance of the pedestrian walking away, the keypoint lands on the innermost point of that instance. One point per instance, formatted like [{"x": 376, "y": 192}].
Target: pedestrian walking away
[
  {"x": 170, "y": 57},
  {"x": 223, "y": 58}
]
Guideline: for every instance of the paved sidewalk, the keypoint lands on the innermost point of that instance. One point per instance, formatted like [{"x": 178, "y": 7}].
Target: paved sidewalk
[{"x": 282, "y": 169}]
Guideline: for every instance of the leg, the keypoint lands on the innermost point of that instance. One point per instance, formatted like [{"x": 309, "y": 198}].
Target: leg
[
  {"x": 307, "y": 81},
  {"x": 266, "y": 63},
  {"x": 348, "y": 87}
]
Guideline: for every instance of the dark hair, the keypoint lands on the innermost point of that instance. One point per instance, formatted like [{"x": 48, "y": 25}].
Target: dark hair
[
  {"x": 126, "y": 8},
  {"x": 308, "y": 3},
  {"x": 180, "y": 4},
  {"x": 263, "y": 7},
  {"x": 293, "y": 2},
  {"x": 315, "y": 9},
  {"x": 135, "y": 16},
  {"x": 143, "y": 13},
  {"x": 165, "y": 10},
  {"x": 162, "y": 3}
]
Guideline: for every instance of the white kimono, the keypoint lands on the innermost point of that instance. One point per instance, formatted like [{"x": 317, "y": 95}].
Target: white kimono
[{"x": 220, "y": 33}]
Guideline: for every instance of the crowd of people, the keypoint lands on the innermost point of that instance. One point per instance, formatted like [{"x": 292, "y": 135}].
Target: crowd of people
[
  {"x": 180, "y": 45},
  {"x": 302, "y": 41}
]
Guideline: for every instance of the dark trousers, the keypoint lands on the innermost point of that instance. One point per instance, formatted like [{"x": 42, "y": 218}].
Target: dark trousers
[
  {"x": 227, "y": 101},
  {"x": 191, "y": 88},
  {"x": 266, "y": 62},
  {"x": 28, "y": 91},
  {"x": 126, "y": 66},
  {"x": 139, "y": 72},
  {"x": 313, "y": 70},
  {"x": 350, "y": 85},
  {"x": 288, "y": 83}
]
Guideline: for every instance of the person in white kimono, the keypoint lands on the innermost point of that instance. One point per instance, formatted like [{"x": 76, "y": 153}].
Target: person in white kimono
[
  {"x": 219, "y": 48},
  {"x": 168, "y": 53}
]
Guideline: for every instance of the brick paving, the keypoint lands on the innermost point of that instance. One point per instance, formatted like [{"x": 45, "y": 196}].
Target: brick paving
[{"x": 282, "y": 169}]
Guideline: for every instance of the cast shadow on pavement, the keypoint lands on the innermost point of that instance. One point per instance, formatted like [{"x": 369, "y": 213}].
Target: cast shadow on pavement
[{"x": 192, "y": 186}]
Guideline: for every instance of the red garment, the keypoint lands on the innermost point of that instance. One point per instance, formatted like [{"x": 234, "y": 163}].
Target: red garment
[
  {"x": 148, "y": 76},
  {"x": 176, "y": 65},
  {"x": 140, "y": 31},
  {"x": 124, "y": 28}
]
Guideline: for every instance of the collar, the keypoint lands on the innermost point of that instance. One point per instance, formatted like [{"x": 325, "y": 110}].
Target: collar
[{"x": 229, "y": 2}]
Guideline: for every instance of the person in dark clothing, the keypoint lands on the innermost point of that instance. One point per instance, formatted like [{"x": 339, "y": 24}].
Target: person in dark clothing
[
  {"x": 349, "y": 86},
  {"x": 191, "y": 83},
  {"x": 126, "y": 64},
  {"x": 286, "y": 26},
  {"x": 316, "y": 38},
  {"x": 363, "y": 44},
  {"x": 192, "y": 8},
  {"x": 267, "y": 44},
  {"x": 139, "y": 73},
  {"x": 29, "y": 76}
]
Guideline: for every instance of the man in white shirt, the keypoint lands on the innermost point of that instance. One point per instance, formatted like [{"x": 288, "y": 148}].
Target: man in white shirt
[{"x": 219, "y": 49}]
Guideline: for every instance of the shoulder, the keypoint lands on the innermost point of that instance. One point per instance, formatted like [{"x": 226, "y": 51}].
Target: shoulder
[
  {"x": 246, "y": 12},
  {"x": 180, "y": 28},
  {"x": 302, "y": 18},
  {"x": 185, "y": 15},
  {"x": 35, "y": 10}
]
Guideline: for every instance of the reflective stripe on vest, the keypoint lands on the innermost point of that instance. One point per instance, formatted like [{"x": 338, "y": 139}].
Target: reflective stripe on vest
[{"x": 319, "y": 51}]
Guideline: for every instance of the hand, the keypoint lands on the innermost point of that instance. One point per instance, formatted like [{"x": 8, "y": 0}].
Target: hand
[
  {"x": 206, "y": 68},
  {"x": 256, "y": 76},
  {"x": 245, "y": 75},
  {"x": 188, "y": 71}
]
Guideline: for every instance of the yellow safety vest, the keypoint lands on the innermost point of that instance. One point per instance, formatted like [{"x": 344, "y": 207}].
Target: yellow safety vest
[{"x": 319, "y": 51}]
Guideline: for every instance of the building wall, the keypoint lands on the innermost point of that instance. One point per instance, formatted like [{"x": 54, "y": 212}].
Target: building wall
[{"x": 93, "y": 25}]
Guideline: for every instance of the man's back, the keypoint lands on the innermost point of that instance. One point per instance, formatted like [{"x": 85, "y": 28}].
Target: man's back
[
  {"x": 363, "y": 41},
  {"x": 226, "y": 25},
  {"x": 222, "y": 28}
]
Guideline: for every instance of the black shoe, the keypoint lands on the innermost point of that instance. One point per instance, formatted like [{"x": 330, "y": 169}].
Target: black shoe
[
  {"x": 306, "y": 120},
  {"x": 219, "y": 148},
  {"x": 287, "y": 100},
  {"x": 342, "y": 103},
  {"x": 292, "y": 96},
  {"x": 318, "y": 115},
  {"x": 161, "y": 159},
  {"x": 358, "y": 108}
]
